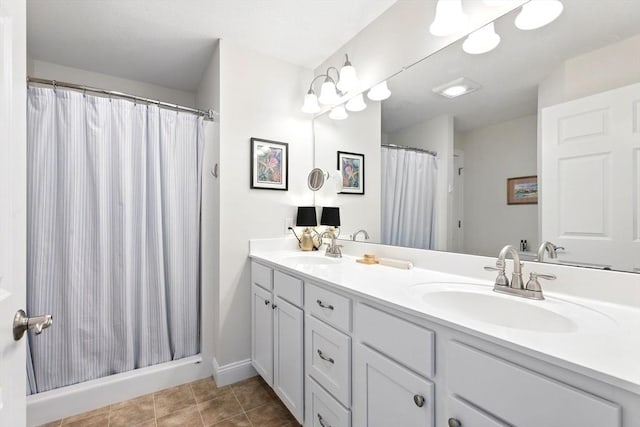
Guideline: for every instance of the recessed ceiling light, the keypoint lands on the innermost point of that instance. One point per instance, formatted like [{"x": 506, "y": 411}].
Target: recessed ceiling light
[{"x": 458, "y": 87}]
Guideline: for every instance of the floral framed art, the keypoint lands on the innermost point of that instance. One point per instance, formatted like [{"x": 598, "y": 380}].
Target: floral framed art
[
  {"x": 269, "y": 164},
  {"x": 351, "y": 167}
]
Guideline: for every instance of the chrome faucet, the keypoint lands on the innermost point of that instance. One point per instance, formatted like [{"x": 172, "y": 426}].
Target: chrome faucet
[
  {"x": 548, "y": 247},
  {"x": 363, "y": 231},
  {"x": 333, "y": 250},
  {"x": 532, "y": 290}
]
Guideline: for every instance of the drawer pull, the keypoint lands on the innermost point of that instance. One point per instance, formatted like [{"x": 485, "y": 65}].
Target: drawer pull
[
  {"x": 322, "y": 421},
  {"x": 325, "y": 358},
  {"x": 454, "y": 423},
  {"x": 267, "y": 302},
  {"x": 323, "y": 305},
  {"x": 418, "y": 400}
]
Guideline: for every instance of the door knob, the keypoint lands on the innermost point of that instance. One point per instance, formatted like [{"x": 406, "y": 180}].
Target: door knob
[{"x": 21, "y": 323}]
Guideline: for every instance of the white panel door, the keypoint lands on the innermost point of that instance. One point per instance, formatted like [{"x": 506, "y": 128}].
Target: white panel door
[
  {"x": 590, "y": 181},
  {"x": 262, "y": 332},
  {"x": 288, "y": 378},
  {"x": 13, "y": 174}
]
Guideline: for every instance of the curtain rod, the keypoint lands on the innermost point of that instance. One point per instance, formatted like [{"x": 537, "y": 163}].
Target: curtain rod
[
  {"x": 402, "y": 147},
  {"x": 208, "y": 115}
]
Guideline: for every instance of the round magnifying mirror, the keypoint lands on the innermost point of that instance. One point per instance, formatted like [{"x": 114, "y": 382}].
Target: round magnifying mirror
[{"x": 315, "y": 180}]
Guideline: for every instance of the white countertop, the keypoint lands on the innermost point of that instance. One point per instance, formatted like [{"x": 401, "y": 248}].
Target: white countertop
[{"x": 605, "y": 345}]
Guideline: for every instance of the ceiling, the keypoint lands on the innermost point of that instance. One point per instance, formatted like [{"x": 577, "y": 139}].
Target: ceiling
[
  {"x": 169, "y": 42},
  {"x": 510, "y": 74}
]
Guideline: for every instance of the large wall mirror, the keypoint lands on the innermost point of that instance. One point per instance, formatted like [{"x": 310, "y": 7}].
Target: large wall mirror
[{"x": 543, "y": 146}]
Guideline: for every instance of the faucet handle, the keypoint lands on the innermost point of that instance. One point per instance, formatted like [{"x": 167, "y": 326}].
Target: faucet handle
[
  {"x": 492, "y": 268},
  {"x": 534, "y": 285},
  {"x": 501, "y": 280}
]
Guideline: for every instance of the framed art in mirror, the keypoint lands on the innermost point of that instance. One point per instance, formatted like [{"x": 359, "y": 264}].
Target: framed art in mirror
[
  {"x": 522, "y": 190},
  {"x": 351, "y": 167},
  {"x": 269, "y": 164}
]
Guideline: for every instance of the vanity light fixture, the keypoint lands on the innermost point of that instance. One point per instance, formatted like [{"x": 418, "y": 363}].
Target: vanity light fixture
[
  {"x": 482, "y": 41},
  {"x": 458, "y": 87},
  {"x": 449, "y": 19},
  {"x": 538, "y": 13},
  {"x": 379, "y": 92},
  {"x": 338, "y": 113},
  {"x": 356, "y": 103},
  {"x": 332, "y": 89}
]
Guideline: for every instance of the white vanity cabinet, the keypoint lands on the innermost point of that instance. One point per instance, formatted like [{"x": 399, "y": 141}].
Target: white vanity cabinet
[{"x": 277, "y": 334}]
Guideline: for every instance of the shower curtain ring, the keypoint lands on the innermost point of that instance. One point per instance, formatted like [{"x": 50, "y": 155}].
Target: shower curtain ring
[{"x": 53, "y": 83}]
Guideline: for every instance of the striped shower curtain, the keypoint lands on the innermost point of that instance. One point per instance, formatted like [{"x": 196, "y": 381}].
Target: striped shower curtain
[{"x": 113, "y": 235}]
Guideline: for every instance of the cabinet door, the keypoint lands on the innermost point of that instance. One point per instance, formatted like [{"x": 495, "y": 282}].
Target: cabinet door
[
  {"x": 262, "y": 332},
  {"x": 288, "y": 356},
  {"x": 388, "y": 394}
]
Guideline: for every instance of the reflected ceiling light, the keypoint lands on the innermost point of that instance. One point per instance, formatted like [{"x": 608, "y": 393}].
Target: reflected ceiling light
[
  {"x": 458, "y": 87},
  {"x": 379, "y": 92},
  {"x": 497, "y": 2},
  {"x": 311, "y": 105},
  {"x": 338, "y": 113},
  {"x": 481, "y": 41},
  {"x": 538, "y": 13},
  {"x": 356, "y": 103},
  {"x": 450, "y": 18},
  {"x": 348, "y": 81}
]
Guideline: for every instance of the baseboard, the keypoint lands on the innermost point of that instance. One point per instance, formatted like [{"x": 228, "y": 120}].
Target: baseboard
[{"x": 232, "y": 372}]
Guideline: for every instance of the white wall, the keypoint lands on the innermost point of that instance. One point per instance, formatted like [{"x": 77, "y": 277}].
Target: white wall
[
  {"x": 259, "y": 97},
  {"x": 436, "y": 135},
  {"x": 491, "y": 155},
  {"x": 610, "y": 67},
  {"x": 208, "y": 97},
  {"x": 359, "y": 133},
  {"x": 49, "y": 70}
]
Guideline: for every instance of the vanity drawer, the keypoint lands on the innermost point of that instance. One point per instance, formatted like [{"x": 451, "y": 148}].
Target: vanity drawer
[
  {"x": 522, "y": 397},
  {"x": 288, "y": 288},
  {"x": 328, "y": 306},
  {"x": 328, "y": 358},
  {"x": 405, "y": 342},
  {"x": 323, "y": 410},
  {"x": 261, "y": 275},
  {"x": 467, "y": 415}
]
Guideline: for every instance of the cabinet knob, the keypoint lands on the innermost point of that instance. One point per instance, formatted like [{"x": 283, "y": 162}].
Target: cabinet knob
[
  {"x": 454, "y": 423},
  {"x": 273, "y": 306},
  {"x": 267, "y": 302},
  {"x": 418, "y": 400}
]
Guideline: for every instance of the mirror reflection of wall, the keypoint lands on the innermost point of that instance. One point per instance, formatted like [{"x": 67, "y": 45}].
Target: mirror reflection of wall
[{"x": 560, "y": 103}]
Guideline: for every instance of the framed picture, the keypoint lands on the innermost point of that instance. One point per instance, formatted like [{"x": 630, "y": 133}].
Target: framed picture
[
  {"x": 351, "y": 167},
  {"x": 269, "y": 164},
  {"x": 522, "y": 190}
]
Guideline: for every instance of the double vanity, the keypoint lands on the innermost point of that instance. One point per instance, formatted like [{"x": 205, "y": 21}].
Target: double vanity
[{"x": 347, "y": 344}]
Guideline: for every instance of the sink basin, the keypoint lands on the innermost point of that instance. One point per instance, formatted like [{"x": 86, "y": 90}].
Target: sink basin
[
  {"x": 480, "y": 304},
  {"x": 303, "y": 260}
]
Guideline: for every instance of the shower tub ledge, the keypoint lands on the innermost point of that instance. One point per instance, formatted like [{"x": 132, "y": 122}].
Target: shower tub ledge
[{"x": 74, "y": 399}]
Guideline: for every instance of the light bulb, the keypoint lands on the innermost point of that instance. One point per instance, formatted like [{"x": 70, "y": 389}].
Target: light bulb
[
  {"x": 348, "y": 81},
  {"x": 481, "y": 41},
  {"x": 338, "y": 113},
  {"x": 356, "y": 103},
  {"x": 538, "y": 13},
  {"x": 328, "y": 94},
  {"x": 311, "y": 105},
  {"x": 379, "y": 92},
  {"x": 450, "y": 18}
]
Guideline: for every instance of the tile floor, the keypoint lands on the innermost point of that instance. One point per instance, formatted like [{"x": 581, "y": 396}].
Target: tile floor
[{"x": 248, "y": 403}]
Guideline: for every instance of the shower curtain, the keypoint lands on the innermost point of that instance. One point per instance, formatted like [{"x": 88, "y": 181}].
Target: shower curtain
[
  {"x": 409, "y": 179},
  {"x": 113, "y": 235}
]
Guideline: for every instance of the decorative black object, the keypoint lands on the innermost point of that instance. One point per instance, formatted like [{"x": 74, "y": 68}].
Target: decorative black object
[
  {"x": 330, "y": 216},
  {"x": 306, "y": 217},
  {"x": 269, "y": 164}
]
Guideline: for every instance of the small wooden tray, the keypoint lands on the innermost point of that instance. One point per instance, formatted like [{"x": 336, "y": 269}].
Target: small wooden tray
[{"x": 368, "y": 259}]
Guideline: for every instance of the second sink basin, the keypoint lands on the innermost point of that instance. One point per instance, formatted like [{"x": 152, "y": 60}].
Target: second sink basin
[
  {"x": 304, "y": 260},
  {"x": 480, "y": 303}
]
